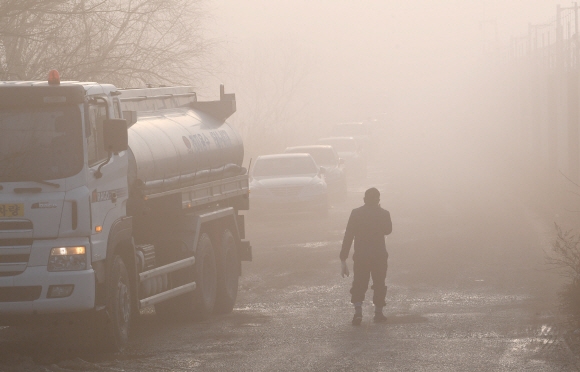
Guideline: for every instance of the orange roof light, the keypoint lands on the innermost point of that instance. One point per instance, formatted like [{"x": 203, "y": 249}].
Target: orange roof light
[{"x": 53, "y": 77}]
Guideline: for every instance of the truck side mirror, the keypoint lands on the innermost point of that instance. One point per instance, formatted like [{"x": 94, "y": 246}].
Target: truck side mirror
[
  {"x": 115, "y": 135},
  {"x": 130, "y": 116}
]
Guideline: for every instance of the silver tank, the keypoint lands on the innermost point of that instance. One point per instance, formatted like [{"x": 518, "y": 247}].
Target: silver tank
[{"x": 181, "y": 147}]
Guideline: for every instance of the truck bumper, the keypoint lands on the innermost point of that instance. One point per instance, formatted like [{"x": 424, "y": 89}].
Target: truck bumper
[{"x": 28, "y": 292}]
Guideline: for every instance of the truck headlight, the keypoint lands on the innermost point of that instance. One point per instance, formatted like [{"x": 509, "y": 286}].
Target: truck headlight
[{"x": 67, "y": 259}]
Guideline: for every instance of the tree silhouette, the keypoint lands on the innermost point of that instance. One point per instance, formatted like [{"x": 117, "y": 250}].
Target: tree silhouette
[{"x": 124, "y": 42}]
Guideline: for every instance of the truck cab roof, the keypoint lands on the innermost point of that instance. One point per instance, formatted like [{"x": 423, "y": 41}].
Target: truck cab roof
[
  {"x": 33, "y": 93},
  {"x": 94, "y": 88}
]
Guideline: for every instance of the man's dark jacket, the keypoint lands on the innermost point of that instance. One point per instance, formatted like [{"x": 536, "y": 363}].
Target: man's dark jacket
[{"x": 367, "y": 226}]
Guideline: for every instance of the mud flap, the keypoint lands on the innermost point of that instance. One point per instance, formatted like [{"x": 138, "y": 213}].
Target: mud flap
[{"x": 245, "y": 251}]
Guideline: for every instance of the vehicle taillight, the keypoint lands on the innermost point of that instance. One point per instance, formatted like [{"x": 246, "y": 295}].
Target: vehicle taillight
[{"x": 53, "y": 77}]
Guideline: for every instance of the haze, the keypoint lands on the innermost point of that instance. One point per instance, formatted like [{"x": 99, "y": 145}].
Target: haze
[
  {"x": 421, "y": 65},
  {"x": 474, "y": 147},
  {"x": 368, "y": 57},
  {"x": 430, "y": 70}
]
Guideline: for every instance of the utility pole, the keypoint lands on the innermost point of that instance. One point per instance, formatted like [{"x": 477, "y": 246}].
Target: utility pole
[
  {"x": 568, "y": 83},
  {"x": 576, "y": 21},
  {"x": 573, "y": 102}
]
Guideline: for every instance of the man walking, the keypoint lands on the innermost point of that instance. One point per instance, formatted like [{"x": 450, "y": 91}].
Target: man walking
[{"x": 367, "y": 226}]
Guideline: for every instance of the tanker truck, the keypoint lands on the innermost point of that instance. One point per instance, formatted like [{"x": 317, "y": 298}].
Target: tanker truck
[{"x": 114, "y": 200}]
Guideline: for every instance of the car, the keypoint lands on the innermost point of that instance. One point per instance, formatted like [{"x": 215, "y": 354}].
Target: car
[
  {"x": 288, "y": 183},
  {"x": 327, "y": 157},
  {"x": 348, "y": 149},
  {"x": 360, "y": 131}
]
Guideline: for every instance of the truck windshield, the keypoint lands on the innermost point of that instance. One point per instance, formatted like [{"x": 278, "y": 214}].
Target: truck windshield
[{"x": 40, "y": 143}]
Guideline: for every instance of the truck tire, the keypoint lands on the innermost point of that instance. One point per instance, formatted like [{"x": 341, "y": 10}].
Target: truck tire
[
  {"x": 114, "y": 334},
  {"x": 205, "y": 278},
  {"x": 228, "y": 274},
  {"x": 200, "y": 303}
]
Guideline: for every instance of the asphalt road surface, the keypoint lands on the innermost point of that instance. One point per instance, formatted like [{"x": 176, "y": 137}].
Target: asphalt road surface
[{"x": 466, "y": 292}]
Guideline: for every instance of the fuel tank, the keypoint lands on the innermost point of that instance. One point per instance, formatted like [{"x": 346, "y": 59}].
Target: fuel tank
[{"x": 178, "y": 147}]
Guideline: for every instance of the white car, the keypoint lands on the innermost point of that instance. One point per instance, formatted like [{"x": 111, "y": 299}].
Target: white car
[
  {"x": 349, "y": 150},
  {"x": 360, "y": 131},
  {"x": 327, "y": 157},
  {"x": 288, "y": 183}
]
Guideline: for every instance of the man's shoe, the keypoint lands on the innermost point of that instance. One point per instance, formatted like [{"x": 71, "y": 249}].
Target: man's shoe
[
  {"x": 357, "y": 319},
  {"x": 379, "y": 318}
]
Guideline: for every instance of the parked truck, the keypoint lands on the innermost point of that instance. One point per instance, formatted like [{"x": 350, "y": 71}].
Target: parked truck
[{"x": 112, "y": 200}]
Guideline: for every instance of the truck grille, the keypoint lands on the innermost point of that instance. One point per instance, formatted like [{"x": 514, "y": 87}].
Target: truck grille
[
  {"x": 286, "y": 191},
  {"x": 19, "y": 294},
  {"x": 15, "y": 226},
  {"x": 14, "y": 258},
  {"x": 14, "y": 255},
  {"x": 15, "y": 246}
]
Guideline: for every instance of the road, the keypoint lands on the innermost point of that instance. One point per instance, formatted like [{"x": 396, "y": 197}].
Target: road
[{"x": 466, "y": 291}]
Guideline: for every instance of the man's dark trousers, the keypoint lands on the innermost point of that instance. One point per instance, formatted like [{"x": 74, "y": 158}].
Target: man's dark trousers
[{"x": 364, "y": 268}]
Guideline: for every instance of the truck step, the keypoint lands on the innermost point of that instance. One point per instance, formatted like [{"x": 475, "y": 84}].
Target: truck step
[
  {"x": 174, "y": 266},
  {"x": 167, "y": 295}
]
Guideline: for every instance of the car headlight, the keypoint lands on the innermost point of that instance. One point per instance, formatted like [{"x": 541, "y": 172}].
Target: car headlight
[{"x": 67, "y": 259}]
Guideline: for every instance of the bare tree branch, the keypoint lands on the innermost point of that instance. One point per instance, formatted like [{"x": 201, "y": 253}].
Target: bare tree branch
[{"x": 124, "y": 42}]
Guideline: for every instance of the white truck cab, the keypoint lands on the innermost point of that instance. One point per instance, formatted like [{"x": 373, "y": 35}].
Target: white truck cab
[
  {"x": 54, "y": 213},
  {"x": 76, "y": 236}
]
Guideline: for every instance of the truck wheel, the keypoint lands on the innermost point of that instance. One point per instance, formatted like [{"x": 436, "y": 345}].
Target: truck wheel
[
  {"x": 205, "y": 278},
  {"x": 228, "y": 274},
  {"x": 115, "y": 332}
]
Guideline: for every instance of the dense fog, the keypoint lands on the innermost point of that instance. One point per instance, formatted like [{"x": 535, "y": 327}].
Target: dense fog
[
  {"x": 470, "y": 131},
  {"x": 436, "y": 75}
]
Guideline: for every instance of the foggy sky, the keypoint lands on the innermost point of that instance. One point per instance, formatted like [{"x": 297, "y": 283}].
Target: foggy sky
[
  {"x": 375, "y": 51},
  {"x": 418, "y": 62},
  {"x": 409, "y": 26}
]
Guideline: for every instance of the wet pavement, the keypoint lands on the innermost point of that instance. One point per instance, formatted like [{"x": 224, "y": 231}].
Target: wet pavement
[{"x": 466, "y": 292}]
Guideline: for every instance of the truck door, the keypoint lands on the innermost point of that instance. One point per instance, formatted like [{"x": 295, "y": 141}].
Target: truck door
[{"x": 109, "y": 191}]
